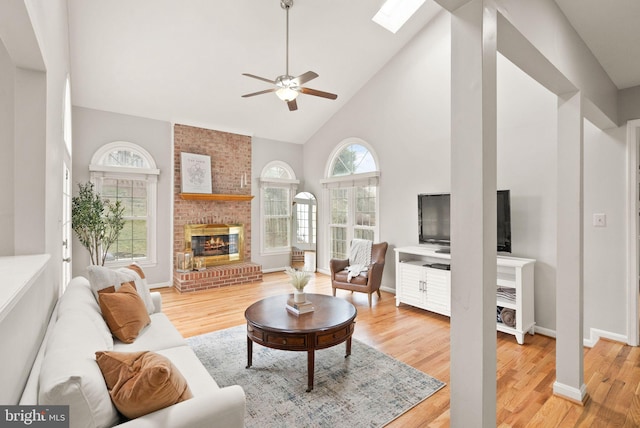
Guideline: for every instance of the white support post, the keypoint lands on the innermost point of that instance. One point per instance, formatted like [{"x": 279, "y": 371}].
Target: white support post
[
  {"x": 473, "y": 214},
  {"x": 569, "y": 274}
]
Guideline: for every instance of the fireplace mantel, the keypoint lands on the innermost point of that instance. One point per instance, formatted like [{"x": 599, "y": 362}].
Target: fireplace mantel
[{"x": 214, "y": 197}]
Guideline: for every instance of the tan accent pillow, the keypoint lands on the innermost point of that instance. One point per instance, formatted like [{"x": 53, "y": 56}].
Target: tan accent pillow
[
  {"x": 125, "y": 312},
  {"x": 142, "y": 382}
]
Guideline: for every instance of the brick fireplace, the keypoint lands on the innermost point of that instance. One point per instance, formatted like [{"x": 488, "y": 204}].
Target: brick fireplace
[{"x": 230, "y": 205}]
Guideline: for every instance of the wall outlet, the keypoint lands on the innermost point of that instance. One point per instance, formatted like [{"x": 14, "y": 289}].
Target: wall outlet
[{"x": 600, "y": 220}]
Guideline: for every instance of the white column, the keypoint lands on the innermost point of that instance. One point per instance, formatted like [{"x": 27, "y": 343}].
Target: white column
[
  {"x": 569, "y": 282},
  {"x": 473, "y": 215}
]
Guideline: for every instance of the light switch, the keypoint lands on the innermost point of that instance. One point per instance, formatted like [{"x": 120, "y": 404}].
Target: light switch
[{"x": 600, "y": 220}]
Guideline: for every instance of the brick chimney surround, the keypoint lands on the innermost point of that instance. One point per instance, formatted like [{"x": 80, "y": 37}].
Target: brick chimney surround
[{"x": 231, "y": 175}]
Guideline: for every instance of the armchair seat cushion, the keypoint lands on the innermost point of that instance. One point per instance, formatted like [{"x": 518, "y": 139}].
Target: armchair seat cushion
[{"x": 361, "y": 279}]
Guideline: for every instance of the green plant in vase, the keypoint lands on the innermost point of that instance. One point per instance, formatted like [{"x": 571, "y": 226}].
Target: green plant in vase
[{"x": 96, "y": 221}]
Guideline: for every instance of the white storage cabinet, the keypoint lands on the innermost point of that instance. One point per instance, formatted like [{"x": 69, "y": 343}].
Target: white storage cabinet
[{"x": 421, "y": 285}]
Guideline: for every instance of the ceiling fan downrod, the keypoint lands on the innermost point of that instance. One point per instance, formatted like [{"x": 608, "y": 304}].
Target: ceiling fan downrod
[{"x": 286, "y": 5}]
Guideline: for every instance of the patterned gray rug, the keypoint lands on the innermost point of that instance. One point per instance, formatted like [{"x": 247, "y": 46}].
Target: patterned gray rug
[{"x": 367, "y": 389}]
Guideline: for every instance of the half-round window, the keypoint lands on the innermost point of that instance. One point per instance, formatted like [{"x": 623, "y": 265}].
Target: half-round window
[
  {"x": 123, "y": 154},
  {"x": 352, "y": 158},
  {"x": 278, "y": 169}
]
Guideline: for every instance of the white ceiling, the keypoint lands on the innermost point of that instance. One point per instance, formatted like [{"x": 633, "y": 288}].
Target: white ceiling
[
  {"x": 611, "y": 29},
  {"x": 182, "y": 61}
]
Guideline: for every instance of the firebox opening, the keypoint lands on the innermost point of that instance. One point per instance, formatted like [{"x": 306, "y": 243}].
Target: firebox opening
[{"x": 218, "y": 243}]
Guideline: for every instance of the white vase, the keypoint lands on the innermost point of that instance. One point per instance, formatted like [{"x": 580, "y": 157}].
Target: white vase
[{"x": 298, "y": 296}]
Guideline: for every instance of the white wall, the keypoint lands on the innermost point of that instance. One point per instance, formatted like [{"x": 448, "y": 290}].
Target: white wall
[
  {"x": 403, "y": 112},
  {"x": 264, "y": 151},
  {"x": 94, "y": 128},
  {"x": 33, "y": 70},
  {"x": 628, "y": 104},
  {"x": 6, "y": 147},
  {"x": 605, "y": 178},
  {"x": 527, "y": 165},
  {"x": 49, "y": 20}
]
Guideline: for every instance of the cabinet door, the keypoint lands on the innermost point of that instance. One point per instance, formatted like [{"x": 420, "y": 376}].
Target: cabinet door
[
  {"x": 411, "y": 284},
  {"x": 438, "y": 295}
]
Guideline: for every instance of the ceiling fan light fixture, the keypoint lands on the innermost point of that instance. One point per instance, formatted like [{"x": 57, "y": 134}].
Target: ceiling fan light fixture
[
  {"x": 287, "y": 94},
  {"x": 287, "y": 87}
]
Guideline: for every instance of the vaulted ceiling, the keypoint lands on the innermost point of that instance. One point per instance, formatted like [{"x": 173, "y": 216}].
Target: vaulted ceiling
[{"x": 182, "y": 61}]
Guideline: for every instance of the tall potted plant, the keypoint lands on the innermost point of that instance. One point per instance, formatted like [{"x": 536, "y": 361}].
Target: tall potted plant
[{"x": 96, "y": 221}]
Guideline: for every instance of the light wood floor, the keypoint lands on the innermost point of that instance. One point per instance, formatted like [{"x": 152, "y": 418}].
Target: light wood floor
[{"x": 525, "y": 374}]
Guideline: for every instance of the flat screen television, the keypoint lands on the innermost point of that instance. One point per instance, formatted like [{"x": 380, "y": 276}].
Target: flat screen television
[{"x": 434, "y": 223}]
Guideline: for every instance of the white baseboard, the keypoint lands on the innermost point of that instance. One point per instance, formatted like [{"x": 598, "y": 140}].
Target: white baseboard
[
  {"x": 271, "y": 270},
  {"x": 589, "y": 342},
  {"x": 574, "y": 394},
  {"x": 596, "y": 334},
  {"x": 545, "y": 331},
  {"x": 161, "y": 285},
  {"x": 388, "y": 289}
]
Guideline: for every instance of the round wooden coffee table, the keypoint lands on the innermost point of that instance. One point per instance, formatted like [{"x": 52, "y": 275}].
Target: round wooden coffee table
[{"x": 270, "y": 324}]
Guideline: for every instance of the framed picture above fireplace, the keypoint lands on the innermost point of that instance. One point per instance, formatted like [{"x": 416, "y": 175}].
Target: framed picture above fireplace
[{"x": 195, "y": 171}]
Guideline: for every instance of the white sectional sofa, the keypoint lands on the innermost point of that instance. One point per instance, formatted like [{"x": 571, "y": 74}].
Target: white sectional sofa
[{"x": 65, "y": 371}]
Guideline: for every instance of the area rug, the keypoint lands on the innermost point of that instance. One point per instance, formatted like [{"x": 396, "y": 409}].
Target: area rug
[{"x": 367, "y": 389}]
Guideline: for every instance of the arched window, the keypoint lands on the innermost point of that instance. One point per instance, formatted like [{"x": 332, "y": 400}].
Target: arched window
[
  {"x": 126, "y": 172},
  {"x": 278, "y": 184},
  {"x": 351, "y": 187}
]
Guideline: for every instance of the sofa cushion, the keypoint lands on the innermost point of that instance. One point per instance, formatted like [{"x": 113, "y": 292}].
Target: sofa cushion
[
  {"x": 159, "y": 334},
  {"x": 124, "y": 312},
  {"x": 101, "y": 277},
  {"x": 199, "y": 380},
  {"x": 69, "y": 374},
  {"x": 79, "y": 298},
  {"x": 141, "y": 382}
]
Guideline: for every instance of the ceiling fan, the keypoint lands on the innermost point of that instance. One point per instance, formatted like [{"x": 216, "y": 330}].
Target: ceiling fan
[{"x": 287, "y": 87}]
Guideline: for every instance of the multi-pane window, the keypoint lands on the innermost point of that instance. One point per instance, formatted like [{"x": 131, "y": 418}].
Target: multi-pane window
[
  {"x": 132, "y": 194},
  {"x": 339, "y": 223},
  {"x": 352, "y": 191},
  {"x": 125, "y": 172},
  {"x": 277, "y": 183},
  {"x": 277, "y": 216}
]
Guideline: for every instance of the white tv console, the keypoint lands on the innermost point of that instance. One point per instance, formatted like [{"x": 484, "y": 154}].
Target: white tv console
[{"x": 420, "y": 285}]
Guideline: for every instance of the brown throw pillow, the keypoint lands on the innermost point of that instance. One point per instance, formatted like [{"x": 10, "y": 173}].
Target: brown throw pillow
[
  {"x": 141, "y": 382},
  {"x": 125, "y": 312}
]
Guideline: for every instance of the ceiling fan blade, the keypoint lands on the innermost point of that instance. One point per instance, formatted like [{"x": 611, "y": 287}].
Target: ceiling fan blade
[
  {"x": 259, "y": 78},
  {"x": 304, "y": 78},
  {"x": 317, "y": 93},
  {"x": 266, "y": 91},
  {"x": 293, "y": 105}
]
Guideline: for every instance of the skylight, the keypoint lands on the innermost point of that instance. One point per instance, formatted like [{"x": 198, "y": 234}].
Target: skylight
[{"x": 394, "y": 13}]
